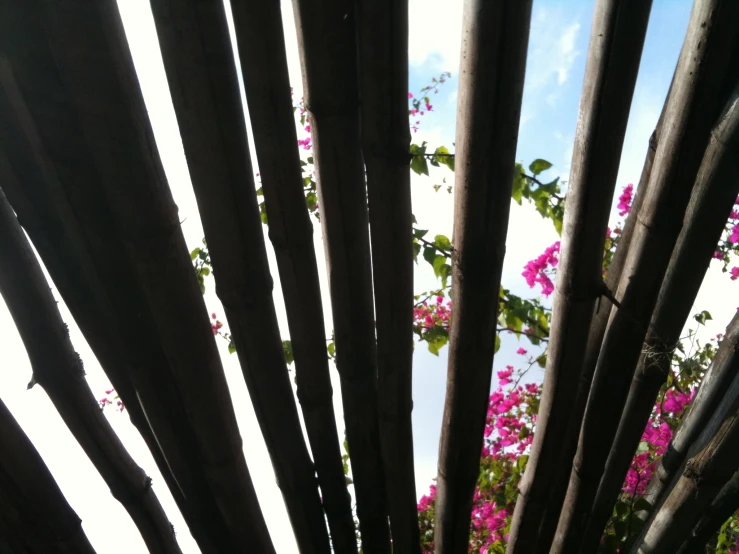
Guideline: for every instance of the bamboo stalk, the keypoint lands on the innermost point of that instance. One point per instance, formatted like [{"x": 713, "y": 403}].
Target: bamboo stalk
[
  {"x": 713, "y": 199},
  {"x": 198, "y": 59},
  {"x": 713, "y": 461},
  {"x": 58, "y": 369},
  {"x": 31, "y": 503},
  {"x": 383, "y": 61},
  {"x": 328, "y": 51},
  {"x": 74, "y": 58},
  {"x": 263, "y": 60},
  {"x": 44, "y": 211},
  {"x": 689, "y": 117},
  {"x": 595, "y": 338},
  {"x": 493, "y": 61},
  {"x": 614, "y": 54},
  {"x": 720, "y": 510}
]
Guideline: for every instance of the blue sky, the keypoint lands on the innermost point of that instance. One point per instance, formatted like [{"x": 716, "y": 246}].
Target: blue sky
[{"x": 556, "y": 64}]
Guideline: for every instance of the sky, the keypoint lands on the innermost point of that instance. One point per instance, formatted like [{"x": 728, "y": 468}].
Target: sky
[{"x": 555, "y": 67}]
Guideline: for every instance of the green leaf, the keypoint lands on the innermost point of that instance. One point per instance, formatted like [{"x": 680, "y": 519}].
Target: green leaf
[
  {"x": 231, "y": 347},
  {"x": 436, "y": 337},
  {"x": 703, "y": 317},
  {"x": 202, "y": 254},
  {"x": 420, "y": 165},
  {"x": 416, "y": 250},
  {"x": 497, "y": 343},
  {"x": 331, "y": 347},
  {"x": 442, "y": 153},
  {"x": 194, "y": 253},
  {"x": 429, "y": 254},
  {"x": 419, "y": 233},
  {"x": 260, "y": 192},
  {"x": 439, "y": 262},
  {"x": 622, "y": 509},
  {"x": 539, "y": 165},
  {"x": 443, "y": 242},
  {"x": 287, "y": 347}
]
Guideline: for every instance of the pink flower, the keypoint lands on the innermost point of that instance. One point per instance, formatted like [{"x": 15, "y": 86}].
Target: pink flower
[
  {"x": 521, "y": 351},
  {"x": 428, "y": 107},
  {"x": 534, "y": 271},
  {"x": 305, "y": 143},
  {"x": 734, "y": 273},
  {"x": 410, "y": 95},
  {"x": 718, "y": 255},
  {"x": 624, "y": 201},
  {"x": 734, "y": 237},
  {"x": 504, "y": 376},
  {"x": 213, "y": 315}
]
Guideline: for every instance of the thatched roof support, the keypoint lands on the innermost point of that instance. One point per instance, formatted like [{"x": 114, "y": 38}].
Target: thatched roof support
[
  {"x": 721, "y": 509},
  {"x": 493, "y": 60},
  {"x": 714, "y": 194},
  {"x": 43, "y": 210},
  {"x": 31, "y": 504},
  {"x": 263, "y": 58},
  {"x": 689, "y": 117},
  {"x": 713, "y": 461},
  {"x": 383, "y": 61},
  {"x": 614, "y": 54},
  {"x": 75, "y": 58},
  {"x": 328, "y": 51},
  {"x": 58, "y": 369},
  {"x": 199, "y": 62}
]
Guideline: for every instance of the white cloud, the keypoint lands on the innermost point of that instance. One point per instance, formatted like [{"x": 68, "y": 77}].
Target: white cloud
[
  {"x": 567, "y": 52},
  {"x": 552, "y": 50},
  {"x": 435, "y": 33}
]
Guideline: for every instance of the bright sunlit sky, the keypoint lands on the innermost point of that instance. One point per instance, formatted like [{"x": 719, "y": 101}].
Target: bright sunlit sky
[{"x": 557, "y": 51}]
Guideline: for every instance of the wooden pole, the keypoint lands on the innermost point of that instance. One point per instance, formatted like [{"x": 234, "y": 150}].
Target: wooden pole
[
  {"x": 492, "y": 67},
  {"x": 261, "y": 45},
  {"x": 327, "y": 43},
  {"x": 713, "y": 198},
  {"x": 617, "y": 38},
  {"x": 383, "y": 60},
  {"x": 58, "y": 369},
  {"x": 689, "y": 117},
  {"x": 199, "y": 62}
]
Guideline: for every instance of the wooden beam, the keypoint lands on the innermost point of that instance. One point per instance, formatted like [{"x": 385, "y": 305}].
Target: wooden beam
[
  {"x": 263, "y": 59},
  {"x": 328, "y": 51},
  {"x": 689, "y": 118},
  {"x": 493, "y": 61},
  {"x": 74, "y": 69},
  {"x": 199, "y": 62},
  {"x": 30, "y": 181},
  {"x": 722, "y": 508},
  {"x": 31, "y": 503},
  {"x": 714, "y": 194},
  {"x": 383, "y": 61},
  {"x": 713, "y": 460},
  {"x": 58, "y": 369},
  {"x": 614, "y": 55}
]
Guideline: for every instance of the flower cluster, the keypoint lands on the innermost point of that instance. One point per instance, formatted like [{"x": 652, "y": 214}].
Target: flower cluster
[
  {"x": 111, "y": 399},
  {"x": 437, "y": 313},
  {"x": 625, "y": 200},
  {"x": 540, "y": 269}
]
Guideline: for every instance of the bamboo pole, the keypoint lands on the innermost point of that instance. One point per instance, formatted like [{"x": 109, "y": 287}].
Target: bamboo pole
[
  {"x": 74, "y": 58},
  {"x": 595, "y": 338},
  {"x": 689, "y": 117},
  {"x": 617, "y": 38},
  {"x": 31, "y": 503},
  {"x": 328, "y": 51},
  {"x": 713, "y": 461},
  {"x": 383, "y": 61},
  {"x": 263, "y": 58},
  {"x": 29, "y": 178},
  {"x": 713, "y": 198},
  {"x": 493, "y": 62},
  {"x": 58, "y": 369},
  {"x": 199, "y": 62},
  {"x": 721, "y": 509}
]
